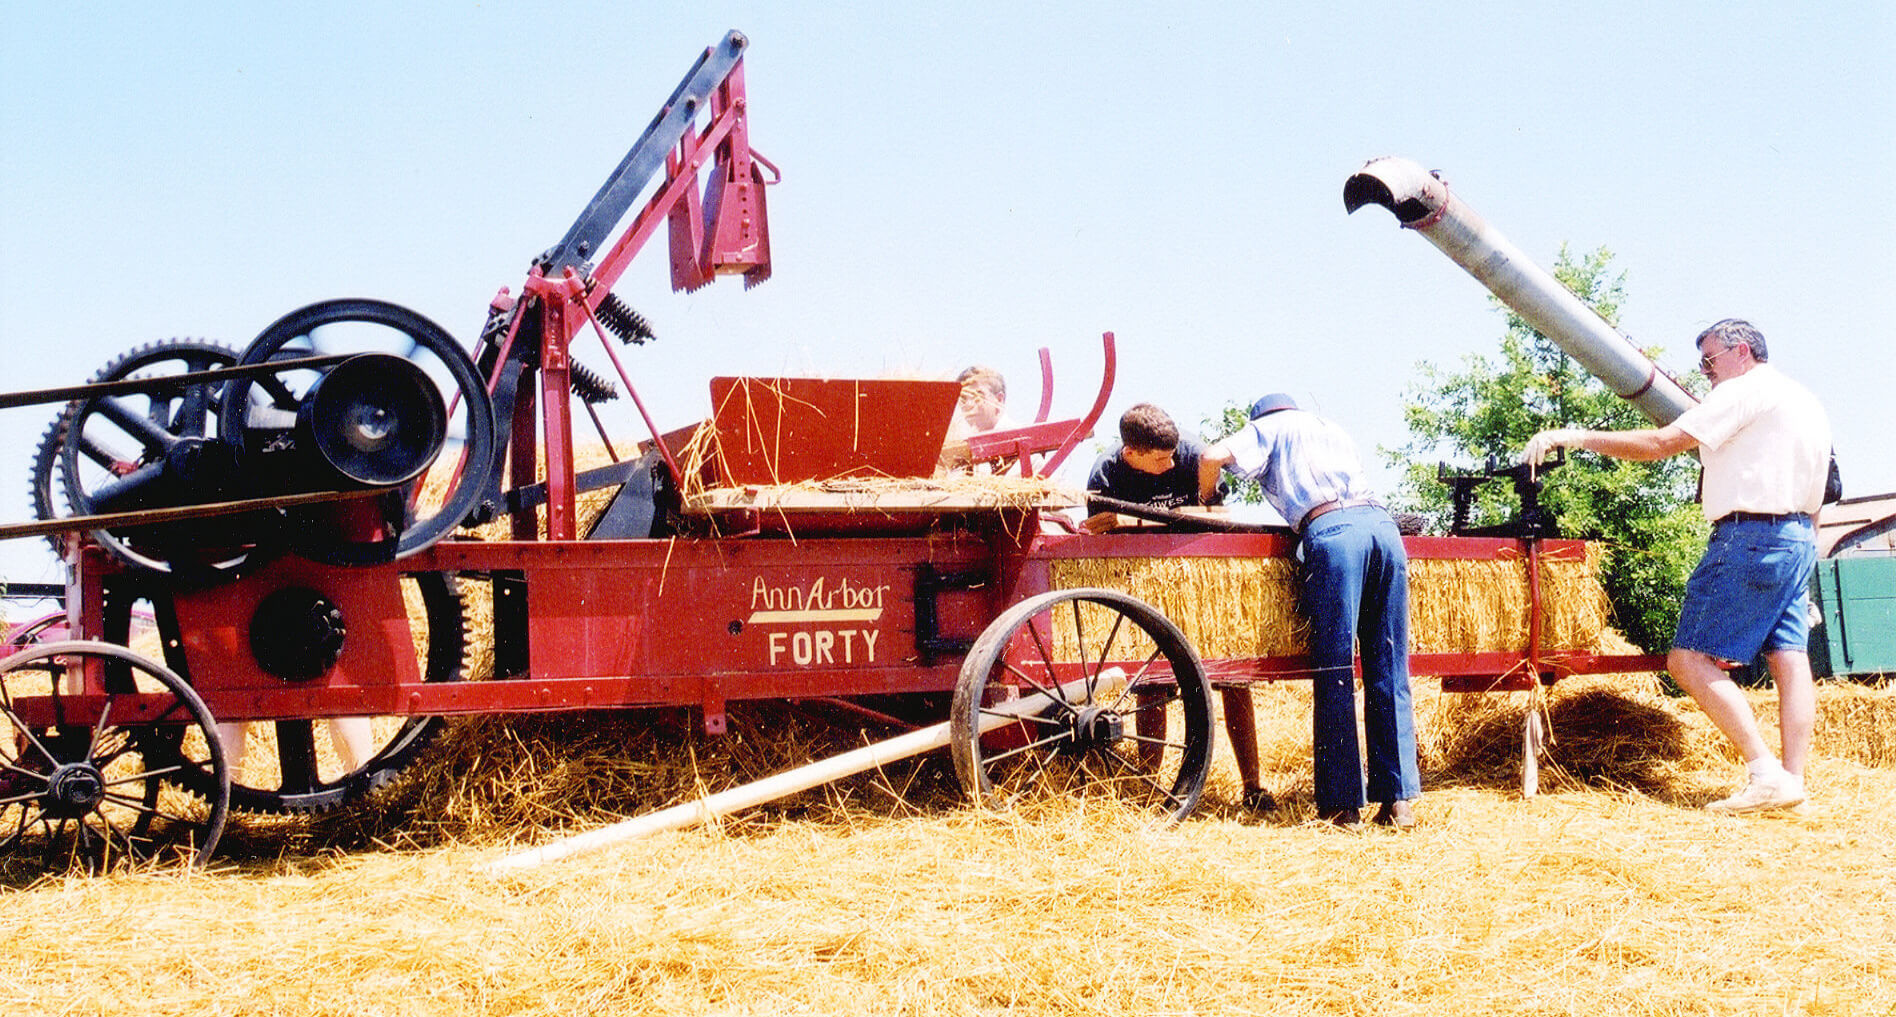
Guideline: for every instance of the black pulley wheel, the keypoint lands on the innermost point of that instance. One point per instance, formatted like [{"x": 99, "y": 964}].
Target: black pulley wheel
[{"x": 256, "y": 410}]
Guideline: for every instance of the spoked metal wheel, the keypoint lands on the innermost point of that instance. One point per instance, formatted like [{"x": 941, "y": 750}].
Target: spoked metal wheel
[
  {"x": 314, "y": 765},
  {"x": 255, "y": 410},
  {"x": 1087, "y": 691},
  {"x": 93, "y": 741}
]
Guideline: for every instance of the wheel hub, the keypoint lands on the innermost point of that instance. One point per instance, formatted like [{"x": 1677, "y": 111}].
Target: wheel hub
[
  {"x": 74, "y": 789},
  {"x": 297, "y": 634},
  {"x": 1098, "y": 725}
]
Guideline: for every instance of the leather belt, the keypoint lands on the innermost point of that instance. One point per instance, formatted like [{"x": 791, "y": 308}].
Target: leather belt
[
  {"x": 1328, "y": 507},
  {"x": 1762, "y": 517}
]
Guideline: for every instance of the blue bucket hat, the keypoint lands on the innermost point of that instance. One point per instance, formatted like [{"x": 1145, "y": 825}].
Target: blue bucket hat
[{"x": 1270, "y": 404}]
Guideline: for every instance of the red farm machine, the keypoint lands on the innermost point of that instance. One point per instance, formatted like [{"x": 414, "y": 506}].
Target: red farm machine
[{"x": 272, "y": 554}]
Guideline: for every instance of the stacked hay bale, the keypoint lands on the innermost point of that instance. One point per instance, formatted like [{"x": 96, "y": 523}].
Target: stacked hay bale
[{"x": 1248, "y": 607}]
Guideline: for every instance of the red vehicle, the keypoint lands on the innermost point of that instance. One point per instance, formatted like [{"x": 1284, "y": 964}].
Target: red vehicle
[{"x": 297, "y": 519}]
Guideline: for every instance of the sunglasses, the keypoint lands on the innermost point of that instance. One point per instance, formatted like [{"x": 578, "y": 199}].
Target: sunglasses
[{"x": 1705, "y": 363}]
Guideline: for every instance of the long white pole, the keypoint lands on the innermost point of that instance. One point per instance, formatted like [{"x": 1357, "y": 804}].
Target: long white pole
[{"x": 778, "y": 785}]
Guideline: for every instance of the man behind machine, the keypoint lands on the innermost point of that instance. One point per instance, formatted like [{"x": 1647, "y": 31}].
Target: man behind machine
[
  {"x": 1765, "y": 444},
  {"x": 1356, "y": 587},
  {"x": 1152, "y": 466},
  {"x": 981, "y": 408},
  {"x": 983, "y": 405}
]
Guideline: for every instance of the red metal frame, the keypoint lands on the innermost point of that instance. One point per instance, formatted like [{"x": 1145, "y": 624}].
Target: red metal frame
[{"x": 701, "y": 622}]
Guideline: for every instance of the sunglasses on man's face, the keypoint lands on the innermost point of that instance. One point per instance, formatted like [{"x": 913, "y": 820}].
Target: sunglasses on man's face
[{"x": 1706, "y": 362}]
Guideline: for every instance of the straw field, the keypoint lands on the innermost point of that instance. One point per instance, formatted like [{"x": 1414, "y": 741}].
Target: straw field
[{"x": 1610, "y": 893}]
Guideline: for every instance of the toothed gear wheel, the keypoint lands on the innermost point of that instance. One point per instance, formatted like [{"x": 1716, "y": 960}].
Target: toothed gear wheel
[
  {"x": 45, "y": 476},
  {"x": 94, "y": 442}
]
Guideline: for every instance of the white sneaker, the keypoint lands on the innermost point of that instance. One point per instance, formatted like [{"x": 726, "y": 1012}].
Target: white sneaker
[{"x": 1763, "y": 794}]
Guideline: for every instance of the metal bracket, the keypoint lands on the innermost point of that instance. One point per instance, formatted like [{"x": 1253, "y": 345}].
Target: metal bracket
[
  {"x": 930, "y": 584},
  {"x": 1533, "y": 522}
]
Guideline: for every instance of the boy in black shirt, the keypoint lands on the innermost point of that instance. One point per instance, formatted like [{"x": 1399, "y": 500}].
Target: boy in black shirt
[{"x": 1152, "y": 466}]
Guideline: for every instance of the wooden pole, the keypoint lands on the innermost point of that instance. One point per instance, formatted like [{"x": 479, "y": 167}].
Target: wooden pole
[{"x": 776, "y": 785}]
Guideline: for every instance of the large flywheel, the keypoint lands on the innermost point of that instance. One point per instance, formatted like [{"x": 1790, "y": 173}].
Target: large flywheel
[
  {"x": 256, "y": 411},
  {"x": 314, "y": 765}
]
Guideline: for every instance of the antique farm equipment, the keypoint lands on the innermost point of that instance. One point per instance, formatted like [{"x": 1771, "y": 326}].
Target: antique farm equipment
[{"x": 312, "y": 523}]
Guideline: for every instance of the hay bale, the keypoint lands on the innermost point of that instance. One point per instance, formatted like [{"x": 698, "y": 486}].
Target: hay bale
[
  {"x": 1858, "y": 723},
  {"x": 1227, "y": 607},
  {"x": 1248, "y": 607}
]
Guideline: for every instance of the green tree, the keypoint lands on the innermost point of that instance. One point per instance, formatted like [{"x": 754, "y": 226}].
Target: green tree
[
  {"x": 1642, "y": 513},
  {"x": 1229, "y": 421}
]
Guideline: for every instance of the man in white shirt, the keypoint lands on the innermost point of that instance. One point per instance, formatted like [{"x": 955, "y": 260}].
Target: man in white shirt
[
  {"x": 1764, "y": 441},
  {"x": 982, "y": 408},
  {"x": 984, "y": 400}
]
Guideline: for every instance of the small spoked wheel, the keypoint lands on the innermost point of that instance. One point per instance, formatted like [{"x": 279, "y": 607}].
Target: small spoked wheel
[
  {"x": 93, "y": 741},
  {"x": 1088, "y": 691}
]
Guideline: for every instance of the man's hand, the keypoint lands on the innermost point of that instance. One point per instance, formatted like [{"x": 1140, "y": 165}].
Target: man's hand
[
  {"x": 1100, "y": 522},
  {"x": 1543, "y": 444}
]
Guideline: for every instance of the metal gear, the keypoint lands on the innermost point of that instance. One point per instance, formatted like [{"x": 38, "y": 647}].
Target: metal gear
[
  {"x": 95, "y": 442},
  {"x": 45, "y": 475}
]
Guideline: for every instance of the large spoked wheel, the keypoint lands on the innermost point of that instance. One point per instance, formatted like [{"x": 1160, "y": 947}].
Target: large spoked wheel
[
  {"x": 255, "y": 409},
  {"x": 99, "y": 453},
  {"x": 315, "y": 765},
  {"x": 1085, "y": 691},
  {"x": 93, "y": 742}
]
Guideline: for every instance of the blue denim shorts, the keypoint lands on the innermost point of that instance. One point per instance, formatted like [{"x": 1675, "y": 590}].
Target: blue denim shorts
[{"x": 1751, "y": 591}]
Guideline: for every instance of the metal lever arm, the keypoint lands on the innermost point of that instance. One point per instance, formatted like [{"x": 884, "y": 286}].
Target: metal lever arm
[{"x": 646, "y": 157}]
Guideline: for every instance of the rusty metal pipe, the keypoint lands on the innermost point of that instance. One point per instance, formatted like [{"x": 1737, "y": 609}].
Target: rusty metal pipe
[{"x": 1421, "y": 201}]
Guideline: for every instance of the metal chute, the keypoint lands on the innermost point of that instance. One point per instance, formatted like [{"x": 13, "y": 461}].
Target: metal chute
[{"x": 1421, "y": 201}]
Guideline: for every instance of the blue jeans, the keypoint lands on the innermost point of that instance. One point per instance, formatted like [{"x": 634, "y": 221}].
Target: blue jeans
[{"x": 1356, "y": 588}]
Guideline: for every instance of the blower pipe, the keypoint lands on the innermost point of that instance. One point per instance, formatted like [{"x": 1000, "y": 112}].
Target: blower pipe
[{"x": 1421, "y": 201}]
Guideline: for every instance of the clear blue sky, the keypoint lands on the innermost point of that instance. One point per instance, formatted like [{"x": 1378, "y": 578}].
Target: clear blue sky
[{"x": 966, "y": 183}]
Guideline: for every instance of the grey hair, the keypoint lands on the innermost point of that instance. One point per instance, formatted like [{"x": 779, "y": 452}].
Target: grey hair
[{"x": 1737, "y": 332}]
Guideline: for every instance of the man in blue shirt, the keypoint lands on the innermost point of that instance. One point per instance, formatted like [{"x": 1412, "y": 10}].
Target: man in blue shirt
[{"x": 1356, "y": 588}]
